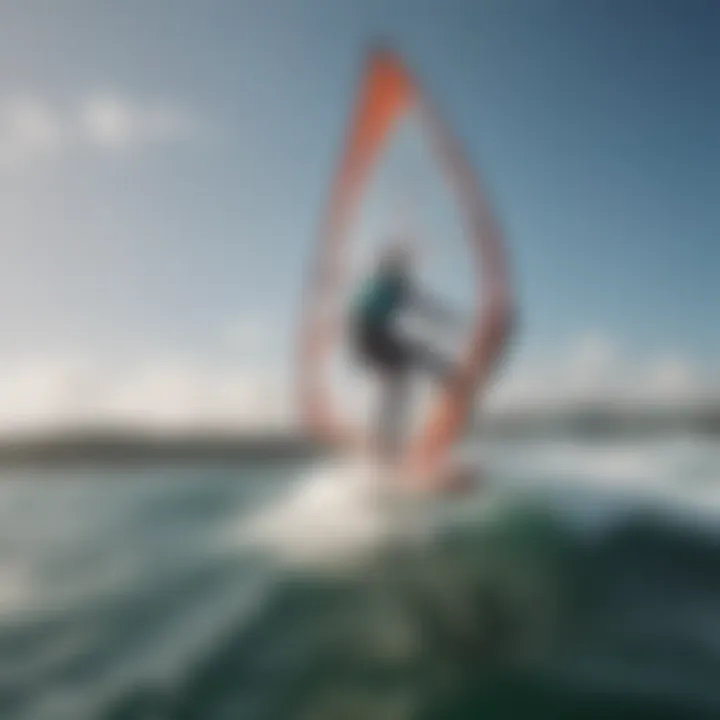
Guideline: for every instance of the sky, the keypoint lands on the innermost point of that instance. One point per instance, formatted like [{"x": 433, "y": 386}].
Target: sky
[{"x": 164, "y": 165}]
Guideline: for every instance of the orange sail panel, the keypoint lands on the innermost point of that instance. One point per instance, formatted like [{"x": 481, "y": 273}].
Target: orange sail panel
[
  {"x": 448, "y": 416},
  {"x": 387, "y": 93}
]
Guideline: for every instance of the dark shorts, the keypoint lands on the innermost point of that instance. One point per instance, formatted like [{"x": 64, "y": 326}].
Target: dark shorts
[{"x": 382, "y": 349}]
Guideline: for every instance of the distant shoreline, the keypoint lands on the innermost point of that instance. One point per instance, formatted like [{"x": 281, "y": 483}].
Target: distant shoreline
[
  {"x": 596, "y": 421},
  {"x": 138, "y": 446}
]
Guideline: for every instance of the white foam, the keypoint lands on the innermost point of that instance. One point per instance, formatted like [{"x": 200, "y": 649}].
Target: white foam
[
  {"x": 597, "y": 479},
  {"x": 16, "y": 589},
  {"x": 338, "y": 512},
  {"x": 648, "y": 464}
]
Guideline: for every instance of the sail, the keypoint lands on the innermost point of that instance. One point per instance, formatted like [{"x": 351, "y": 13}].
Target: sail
[{"x": 464, "y": 263}]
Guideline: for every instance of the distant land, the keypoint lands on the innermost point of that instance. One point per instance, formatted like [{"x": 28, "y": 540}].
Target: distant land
[
  {"x": 597, "y": 420},
  {"x": 138, "y": 446},
  {"x": 113, "y": 445}
]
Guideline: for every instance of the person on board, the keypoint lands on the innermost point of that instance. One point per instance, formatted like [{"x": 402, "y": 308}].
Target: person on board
[{"x": 380, "y": 345}]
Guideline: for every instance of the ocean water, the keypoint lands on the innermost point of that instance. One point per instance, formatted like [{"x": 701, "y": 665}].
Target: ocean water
[{"x": 581, "y": 581}]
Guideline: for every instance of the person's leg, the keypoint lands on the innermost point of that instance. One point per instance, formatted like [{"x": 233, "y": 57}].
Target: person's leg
[
  {"x": 391, "y": 364},
  {"x": 393, "y": 359},
  {"x": 443, "y": 371},
  {"x": 430, "y": 361},
  {"x": 391, "y": 421}
]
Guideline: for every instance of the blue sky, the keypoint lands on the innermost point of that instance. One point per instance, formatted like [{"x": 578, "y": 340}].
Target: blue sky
[{"x": 164, "y": 164}]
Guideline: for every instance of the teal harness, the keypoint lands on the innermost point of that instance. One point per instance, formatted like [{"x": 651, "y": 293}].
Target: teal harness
[{"x": 380, "y": 299}]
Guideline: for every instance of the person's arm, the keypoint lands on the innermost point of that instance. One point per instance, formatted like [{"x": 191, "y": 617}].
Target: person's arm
[{"x": 434, "y": 308}]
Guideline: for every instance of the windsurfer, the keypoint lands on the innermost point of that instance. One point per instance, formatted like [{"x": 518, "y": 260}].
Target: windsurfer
[{"x": 379, "y": 344}]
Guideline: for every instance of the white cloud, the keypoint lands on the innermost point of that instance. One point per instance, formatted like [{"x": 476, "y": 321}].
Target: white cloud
[
  {"x": 162, "y": 394},
  {"x": 111, "y": 122},
  {"x": 172, "y": 394},
  {"x": 674, "y": 379},
  {"x": 32, "y": 129},
  {"x": 44, "y": 392},
  {"x": 184, "y": 393},
  {"x": 28, "y": 129},
  {"x": 591, "y": 360},
  {"x": 592, "y": 370}
]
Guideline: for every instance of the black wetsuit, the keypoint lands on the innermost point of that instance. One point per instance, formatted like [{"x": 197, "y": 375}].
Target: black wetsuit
[
  {"x": 378, "y": 344},
  {"x": 374, "y": 334}
]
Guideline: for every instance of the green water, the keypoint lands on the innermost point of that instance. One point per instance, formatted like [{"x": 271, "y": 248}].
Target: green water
[{"x": 256, "y": 591}]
